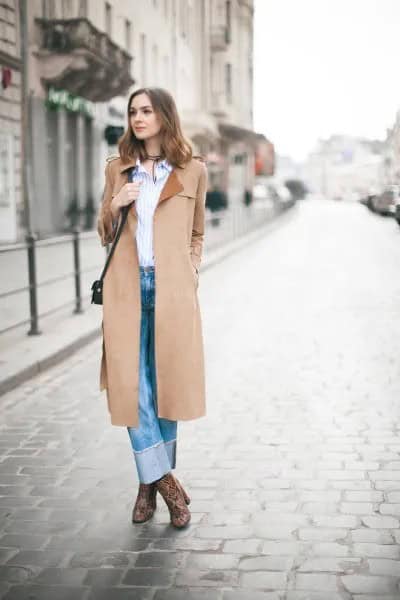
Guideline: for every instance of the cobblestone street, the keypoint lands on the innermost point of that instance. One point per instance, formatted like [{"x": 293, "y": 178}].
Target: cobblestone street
[{"x": 294, "y": 473}]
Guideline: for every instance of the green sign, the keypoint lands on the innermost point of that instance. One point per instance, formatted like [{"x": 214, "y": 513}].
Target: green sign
[{"x": 62, "y": 99}]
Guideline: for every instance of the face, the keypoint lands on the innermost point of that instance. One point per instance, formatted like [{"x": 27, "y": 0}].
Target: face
[{"x": 144, "y": 121}]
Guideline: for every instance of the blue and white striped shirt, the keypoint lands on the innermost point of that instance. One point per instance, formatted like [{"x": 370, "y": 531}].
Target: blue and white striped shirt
[{"x": 146, "y": 205}]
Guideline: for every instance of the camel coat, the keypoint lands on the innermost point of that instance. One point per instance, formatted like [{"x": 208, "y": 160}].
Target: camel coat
[{"x": 178, "y": 231}]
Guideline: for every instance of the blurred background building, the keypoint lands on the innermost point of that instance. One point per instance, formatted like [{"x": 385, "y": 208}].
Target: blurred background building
[
  {"x": 345, "y": 167},
  {"x": 84, "y": 58},
  {"x": 392, "y": 153}
]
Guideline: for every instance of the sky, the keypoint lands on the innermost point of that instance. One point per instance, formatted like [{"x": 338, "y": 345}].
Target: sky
[{"x": 323, "y": 67}]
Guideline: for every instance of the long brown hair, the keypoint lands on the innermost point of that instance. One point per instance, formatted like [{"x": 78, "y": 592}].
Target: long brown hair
[{"x": 174, "y": 146}]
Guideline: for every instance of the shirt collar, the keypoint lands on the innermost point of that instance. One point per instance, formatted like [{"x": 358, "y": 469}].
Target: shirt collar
[{"x": 164, "y": 163}]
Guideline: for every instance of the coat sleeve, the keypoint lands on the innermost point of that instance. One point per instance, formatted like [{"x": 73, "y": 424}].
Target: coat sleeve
[
  {"x": 106, "y": 225},
  {"x": 196, "y": 246}
]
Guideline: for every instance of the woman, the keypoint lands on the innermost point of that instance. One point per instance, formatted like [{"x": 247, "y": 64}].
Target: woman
[{"x": 152, "y": 364}]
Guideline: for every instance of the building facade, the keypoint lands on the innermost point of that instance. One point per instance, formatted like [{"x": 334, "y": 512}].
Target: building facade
[
  {"x": 87, "y": 56},
  {"x": 344, "y": 167},
  {"x": 11, "y": 206}
]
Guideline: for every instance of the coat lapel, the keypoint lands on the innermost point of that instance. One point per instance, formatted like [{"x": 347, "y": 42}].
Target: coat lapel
[{"x": 172, "y": 186}]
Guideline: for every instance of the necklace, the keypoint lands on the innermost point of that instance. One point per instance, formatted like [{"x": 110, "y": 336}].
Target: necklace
[{"x": 154, "y": 158}]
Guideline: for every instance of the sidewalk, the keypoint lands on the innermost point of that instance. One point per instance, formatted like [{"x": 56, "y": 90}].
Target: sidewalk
[{"x": 62, "y": 335}]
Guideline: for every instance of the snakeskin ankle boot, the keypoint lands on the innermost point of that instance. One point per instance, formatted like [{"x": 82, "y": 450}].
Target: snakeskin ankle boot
[
  {"x": 175, "y": 498},
  {"x": 145, "y": 504}
]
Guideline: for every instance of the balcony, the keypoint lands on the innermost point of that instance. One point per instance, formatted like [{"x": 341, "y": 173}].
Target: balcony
[
  {"x": 75, "y": 56},
  {"x": 219, "y": 37}
]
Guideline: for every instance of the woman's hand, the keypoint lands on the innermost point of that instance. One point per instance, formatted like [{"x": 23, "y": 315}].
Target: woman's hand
[{"x": 127, "y": 194}]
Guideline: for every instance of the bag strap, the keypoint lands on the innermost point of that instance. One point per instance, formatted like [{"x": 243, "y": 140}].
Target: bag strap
[{"x": 124, "y": 211}]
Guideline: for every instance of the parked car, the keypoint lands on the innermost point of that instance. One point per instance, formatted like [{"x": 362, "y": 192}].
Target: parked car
[
  {"x": 284, "y": 196},
  {"x": 397, "y": 206},
  {"x": 385, "y": 203}
]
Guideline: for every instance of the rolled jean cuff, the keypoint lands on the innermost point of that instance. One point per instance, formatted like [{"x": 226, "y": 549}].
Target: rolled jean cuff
[{"x": 154, "y": 462}]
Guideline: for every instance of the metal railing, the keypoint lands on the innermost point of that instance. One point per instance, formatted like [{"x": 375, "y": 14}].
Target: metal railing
[
  {"x": 222, "y": 227},
  {"x": 31, "y": 247}
]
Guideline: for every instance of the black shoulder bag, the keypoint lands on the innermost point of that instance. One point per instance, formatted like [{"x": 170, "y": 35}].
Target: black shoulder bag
[{"x": 97, "y": 286}]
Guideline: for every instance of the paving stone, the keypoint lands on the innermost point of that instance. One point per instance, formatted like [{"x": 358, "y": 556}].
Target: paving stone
[
  {"x": 242, "y": 547},
  {"x": 341, "y": 475},
  {"x": 393, "y": 497},
  {"x": 316, "y": 582},
  {"x": 363, "y": 496},
  {"x": 107, "y": 559},
  {"x": 103, "y": 577},
  {"x": 374, "y": 597},
  {"x": 15, "y": 574},
  {"x": 266, "y": 563},
  {"x": 43, "y": 527},
  {"x": 326, "y": 564},
  {"x": 382, "y": 566},
  {"x": 187, "y": 594},
  {"x": 389, "y": 508},
  {"x": 66, "y": 576},
  {"x": 240, "y": 595},
  {"x": 24, "y": 542},
  {"x": 205, "y": 561},
  {"x": 325, "y": 595},
  {"x": 369, "y": 584},
  {"x": 32, "y": 514},
  {"x": 148, "y": 577},
  {"x": 385, "y": 475},
  {"x": 267, "y": 580},
  {"x": 378, "y": 522},
  {"x": 387, "y": 485},
  {"x": 322, "y": 534},
  {"x": 340, "y": 521},
  {"x": 42, "y": 558},
  {"x": 376, "y": 550},
  {"x": 320, "y": 496},
  {"x": 375, "y": 536},
  {"x": 225, "y": 532},
  {"x": 330, "y": 549},
  {"x": 6, "y": 554},
  {"x": 322, "y": 508},
  {"x": 351, "y": 485},
  {"x": 206, "y": 578},
  {"x": 191, "y": 544},
  {"x": 357, "y": 508},
  {"x": 41, "y": 592},
  {"x": 283, "y": 548}
]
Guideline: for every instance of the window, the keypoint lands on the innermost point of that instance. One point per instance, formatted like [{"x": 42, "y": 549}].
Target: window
[
  {"x": 165, "y": 73},
  {"x": 108, "y": 16},
  {"x": 228, "y": 20},
  {"x": 128, "y": 35},
  {"x": 82, "y": 9},
  {"x": 155, "y": 65},
  {"x": 66, "y": 9},
  {"x": 182, "y": 15},
  {"x": 48, "y": 9},
  {"x": 228, "y": 83},
  {"x": 143, "y": 57}
]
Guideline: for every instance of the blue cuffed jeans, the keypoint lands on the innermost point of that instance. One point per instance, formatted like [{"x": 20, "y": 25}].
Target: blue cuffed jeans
[{"x": 154, "y": 440}]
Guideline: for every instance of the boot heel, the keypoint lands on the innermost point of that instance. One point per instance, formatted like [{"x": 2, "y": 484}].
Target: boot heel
[{"x": 186, "y": 497}]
